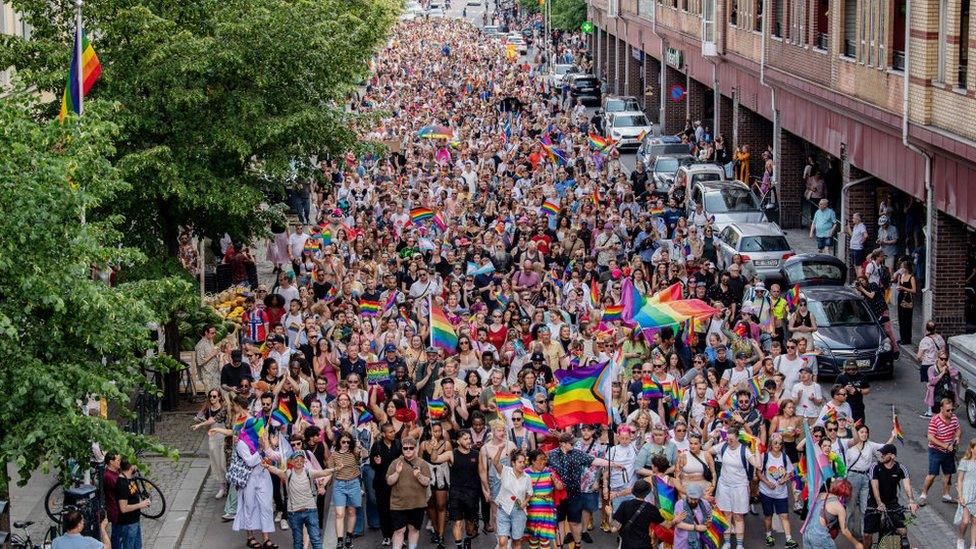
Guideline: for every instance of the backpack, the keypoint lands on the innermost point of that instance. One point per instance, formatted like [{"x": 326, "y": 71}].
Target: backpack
[{"x": 750, "y": 470}]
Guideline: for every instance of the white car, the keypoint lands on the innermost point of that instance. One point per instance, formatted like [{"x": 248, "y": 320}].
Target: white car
[
  {"x": 627, "y": 127},
  {"x": 435, "y": 12},
  {"x": 559, "y": 70},
  {"x": 492, "y": 31}
]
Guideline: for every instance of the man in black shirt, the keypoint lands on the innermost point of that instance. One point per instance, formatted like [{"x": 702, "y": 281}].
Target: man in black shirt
[
  {"x": 232, "y": 374},
  {"x": 384, "y": 452},
  {"x": 886, "y": 476},
  {"x": 638, "y": 181},
  {"x": 633, "y": 519},
  {"x": 723, "y": 292},
  {"x": 352, "y": 363},
  {"x": 464, "y": 497},
  {"x": 130, "y": 503},
  {"x": 856, "y": 385},
  {"x": 721, "y": 362}
]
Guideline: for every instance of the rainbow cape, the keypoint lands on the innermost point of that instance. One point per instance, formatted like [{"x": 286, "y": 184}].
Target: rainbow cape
[
  {"x": 533, "y": 421},
  {"x": 442, "y": 334},
  {"x": 582, "y": 395},
  {"x": 667, "y": 496},
  {"x": 90, "y": 69},
  {"x": 817, "y": 469}
]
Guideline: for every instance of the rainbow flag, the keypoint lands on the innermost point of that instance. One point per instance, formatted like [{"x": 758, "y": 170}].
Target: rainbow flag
[
  {"x": 550, "y": 208},
  {"x": 554, "y": 155},
  {"x": 442, "y": 334},
  {"x": 596, "y": 142},
  {"x": 368, "y": 307},
  {"x": 671, "y": 293},
  {"x": 641, "y": 136},
  {"x": 596, "y": 196},
  {"x": 793, "y": 296},
  {"x": 390, "y": 300},
  {"x": 896, "y": 425},
  {"x": 655, "y": 315},
  {"x": 377, "y": 372},
  {"x": 507, "y": 401},
  {"x": 303, "y": 411},
  {"x": 90, "y": 69},
  {"x": 283, "y": 414},
  {"x": 436, "y": 408},
  {"x": 533, "y": 421},
  {"x": 829, "y": 415},
  {"x": 667, "y": 496},
  {"x": 440, "y": 221},
  {"x": 251, "y": 432},
  {"x": 473, "y": 269},
  {"x": 363, "y": 417},
  {"x": 594, "y": 293},
  {"x": 326, "y": 236},
  {"x": 331, "y": 295},
  {"x": 752, "y": 442},
  {"x": 651, "y": 388},
  {"x": 417, "y": 215},
  {"x": 817, "y": 468},
  {"x": 582, "y": 395},
  {"x": 311, "y": 245},
  {"x": 756, "y": 384},
  {"x": 656, "y": 211},
  {"x": 715, "y": 529},
  {"x": 612, "y": 312}
]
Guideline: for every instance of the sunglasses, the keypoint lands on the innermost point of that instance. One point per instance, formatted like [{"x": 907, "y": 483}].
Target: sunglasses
[
  {"x": 516, "y": 419},
  {"x": 405, "y": 448}
]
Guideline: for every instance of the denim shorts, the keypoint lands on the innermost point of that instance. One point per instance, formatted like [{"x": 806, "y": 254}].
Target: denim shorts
[
  {"x": 347, "y": 493},
  {"x": 591, "y": 501},
  {"x": 944, "y": 461},
  {"x": 825, "y": 242},
  {"x": 511, "y": 525}
]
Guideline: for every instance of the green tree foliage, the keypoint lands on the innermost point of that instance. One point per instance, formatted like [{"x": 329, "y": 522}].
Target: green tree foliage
[
  {"x": 568, "y": 15},
  {"x": 63, "y": 335},
  {"x": 214, "y": 98}
]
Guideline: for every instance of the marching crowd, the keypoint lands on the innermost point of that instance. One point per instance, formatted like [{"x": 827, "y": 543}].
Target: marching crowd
[{"x": 490, "y": 216}]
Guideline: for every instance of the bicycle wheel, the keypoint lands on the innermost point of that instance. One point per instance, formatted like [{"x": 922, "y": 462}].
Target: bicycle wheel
[
  {"x": 54, "y": 503},
  {"x": 149, "y": 490}
]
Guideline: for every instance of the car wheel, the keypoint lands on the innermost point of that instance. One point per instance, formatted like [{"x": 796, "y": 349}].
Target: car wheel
[{"x": 971, "y": 409}]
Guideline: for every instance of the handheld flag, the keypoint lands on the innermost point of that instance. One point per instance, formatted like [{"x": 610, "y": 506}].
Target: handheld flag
[
  {"x": 667, "y": 496},
  {"x": 436, "y": 408},
  {"x": 532, "y": 421},
  {"x": 896, "y": 426},
  {"x": 442, "y": 334}
]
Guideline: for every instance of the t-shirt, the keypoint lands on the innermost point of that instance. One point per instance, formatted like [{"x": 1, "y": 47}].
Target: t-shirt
[
  {"x": 301, "y": 494},
  {"x": 511, "y": 487},
  {"x": 790, "y": 368},
  {"x": 733, "y": 472},
  {"x": 76, "y": 541},
  {"x": 408, "y": 493},
  {"x": 803, "y": 395},
  {"x": 856, "y": 400},
  {"x": 943, "y": 431},
  {"x": 570, "y": 466},
  {"x": 109, "y": 480},
  {"x": 126, "y": 490},
  {"x": 888, "y": 480},
  {"x": 636, "y": 535},
  {"x": 776, "y": 469},
  {"x": 735, "y": 376},
  {"x": 622, "y": 477}
]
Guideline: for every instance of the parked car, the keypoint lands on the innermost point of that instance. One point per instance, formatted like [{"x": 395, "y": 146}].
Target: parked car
[
  {"x": 726, "y": 202},
  {"x": 435, "y": 12},
  {"x": 559, "y": 70},
  {"x": 763, "y": 247},
  {"x": 962, "y": 356},
  {"x": 652, "y": 147},
  {"x": 584, "y": 87},
  {"x": 846, "y": 327},
  {"x": 664, "y": 169},
  {"x": 617, "y": 103},
  {"x": 492, "y": 31},
  {"x": 699, "y": 172},
  {"x": 626, "y": 128}
]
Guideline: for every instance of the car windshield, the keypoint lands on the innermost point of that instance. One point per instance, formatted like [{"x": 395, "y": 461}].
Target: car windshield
[
  {"x": 624, "y": 121},
  {"x": 666, "y": 165},
  {"x": 730, "y": 200},
  {"x": 706, "y": 176},
  {"x": 768, "y": 243},
  {"x": 814, "y": 272},
  {"x": 840, "y": 312}
]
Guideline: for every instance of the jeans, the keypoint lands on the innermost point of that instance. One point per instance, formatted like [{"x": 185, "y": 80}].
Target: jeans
[
  {"x": 858, "y": 502},
  {"x": 130, "y": 536},
  {"x": 372, "y": 512},
  {"x": 308, "y": 519}
]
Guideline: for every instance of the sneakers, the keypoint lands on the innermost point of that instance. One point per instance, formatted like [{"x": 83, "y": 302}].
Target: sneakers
[
  {"x": 283, "y": 524},
  {"x": 220, "y": 493},
  {"x": 586, "y": 537},
  {"x": 947, "y": 498},
  {"x": 923, "y": 500},
  {"x": 960, "y": 544},
  {"x": 791, "y": 544},
  {"x": 227, "y": 517},
  {"x": 348, "y": 544},
  {"x": 769, "y": 540},
  {"x": 926, "y": 415},
  {"x": 387, "y": 542}
]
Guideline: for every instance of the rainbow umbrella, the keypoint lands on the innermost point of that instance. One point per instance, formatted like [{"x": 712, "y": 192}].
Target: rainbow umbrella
[{"x": 435, "y": 132}]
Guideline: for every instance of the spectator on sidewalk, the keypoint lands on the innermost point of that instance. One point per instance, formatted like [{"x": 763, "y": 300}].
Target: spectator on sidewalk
[
  {"x": 73, "y": 523},
  {"x": 824, "y": 226},
  {"x": 929, "y": 348},
  {"x": 943, "y": 434},
  {"x": 858, "y": 232},
  {"x": 130, "y": 504},
  {"x": 109, "y": 479}
]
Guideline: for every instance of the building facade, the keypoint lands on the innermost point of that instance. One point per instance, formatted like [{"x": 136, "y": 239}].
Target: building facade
[
  {"x": 880, "y": 93},
  {"x": 12, "y": 24}
]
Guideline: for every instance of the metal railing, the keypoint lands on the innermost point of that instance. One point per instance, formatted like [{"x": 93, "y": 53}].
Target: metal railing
[
  {"x": 898, "y": 60},
  {"x": 850, "y": 48},
  {"x": 823, "y": 40}
]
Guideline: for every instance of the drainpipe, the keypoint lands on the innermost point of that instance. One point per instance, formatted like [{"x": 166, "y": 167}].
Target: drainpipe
[
  {"x": 842, "y": 237},
  {"x": 929, "y": 193}
]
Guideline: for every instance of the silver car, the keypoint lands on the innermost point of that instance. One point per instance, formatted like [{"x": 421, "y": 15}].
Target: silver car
[
  {"x": 726, "y": 202},
  {"x": 763, "y": 248}
]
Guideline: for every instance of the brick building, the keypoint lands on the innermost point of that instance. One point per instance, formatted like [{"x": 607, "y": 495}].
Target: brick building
[{"x": 823, "y": 78}]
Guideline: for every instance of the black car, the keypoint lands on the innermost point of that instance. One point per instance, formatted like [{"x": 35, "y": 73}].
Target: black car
[
  {"x": 584, "y": 87},
  {"x": 846, "y": 326}
]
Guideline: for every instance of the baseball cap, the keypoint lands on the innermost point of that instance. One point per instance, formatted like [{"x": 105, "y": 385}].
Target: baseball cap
[
  {"x": 538, "y": 357},
  {"x": 431, "y": 349},
  {"x": 712, "y": 403},
  {"x": 741, "y": 354}
]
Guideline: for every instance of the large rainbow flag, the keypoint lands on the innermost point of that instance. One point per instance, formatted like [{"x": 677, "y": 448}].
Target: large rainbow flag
[
  {"x": 442, "y": 334},
  {"x": 817, "y": 469},
  {"x": 582, "y": 394},
  {"x": 90, "y": 69}
]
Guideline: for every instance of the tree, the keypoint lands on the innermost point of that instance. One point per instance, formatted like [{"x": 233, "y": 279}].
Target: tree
[
  {"x": 63, "y": 335},
  {"x": 568, "y": 15}
]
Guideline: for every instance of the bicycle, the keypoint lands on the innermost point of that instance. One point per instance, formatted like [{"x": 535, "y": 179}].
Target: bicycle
[
  {"x": 25, "y": 542},
  {"x": 54, "y": 499},
  {"x": 888, "y": 536}
]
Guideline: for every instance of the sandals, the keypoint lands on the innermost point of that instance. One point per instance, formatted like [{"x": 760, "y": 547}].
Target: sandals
[
  {"x": 269, "y": 545},
  {"x": 253, "y": 543}
]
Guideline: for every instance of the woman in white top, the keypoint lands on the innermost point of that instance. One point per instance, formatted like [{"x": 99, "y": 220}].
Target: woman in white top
[
  {"x": 692, "y": 465},
  {"x": 732, "y": 489},
  {"x": 513, "y": 495},
  {"x": 862, "y": 456}
]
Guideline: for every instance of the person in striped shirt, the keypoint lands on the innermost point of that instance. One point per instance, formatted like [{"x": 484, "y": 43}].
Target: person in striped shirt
[{"x": 943, "y": 434}]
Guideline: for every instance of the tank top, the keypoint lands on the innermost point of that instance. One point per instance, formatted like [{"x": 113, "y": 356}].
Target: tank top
[
  {"x": 692, "y": 465},
  {"x": 464, "y": 473}
]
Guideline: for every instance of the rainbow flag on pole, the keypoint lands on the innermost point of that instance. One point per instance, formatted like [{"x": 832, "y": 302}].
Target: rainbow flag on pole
[
  {"x": 896, "y": 425},
  {"x": 667, "y": 496},
  {"x": 304, "y": 412},
  {"x": 89, "y": 68},
  {"x": 715, "y": 529},
  {"x": 369, "y": 307},
  {"x": 533, "y": 421},
  {"x": 793, "y": 296},
  {"x": 594, "y": 293},
  {"x": 612, "y": 312},
  {"x": 507, "y": 401},
  {"x": 436, "y": 408},
  {"x": 651, "y": 388},
  {"x": 442, "y": 334},
  {"x": 283, "y": 414},
  {"x": 582, "y": 395}
]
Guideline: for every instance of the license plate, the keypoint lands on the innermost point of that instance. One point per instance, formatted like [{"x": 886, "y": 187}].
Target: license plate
[
  {"x": 864, "y": 364},
  {"x": 766, "y": 262},
  {"x": 586, "y": 89}
]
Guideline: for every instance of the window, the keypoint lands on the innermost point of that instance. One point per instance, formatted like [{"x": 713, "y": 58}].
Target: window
[
  {"x": 613, "y": 6},
  {"x": 708, "y": 21},
  {"x": 850, "y": 28},
  {"x": 734, "y": 12},
  {"x": 758, "y": 21},
  {"x": 898, "y": 36},
  {"x": 962, "y": 72},
  {"x": 822, "y": 37},
  {"x": 779, "y": 17}
]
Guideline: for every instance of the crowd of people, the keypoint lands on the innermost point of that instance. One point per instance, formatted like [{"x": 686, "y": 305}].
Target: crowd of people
[{"x": 338, "y": 407}]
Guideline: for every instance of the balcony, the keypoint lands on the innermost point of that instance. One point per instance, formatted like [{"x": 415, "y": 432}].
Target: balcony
[{"x": 898, "y": 60}]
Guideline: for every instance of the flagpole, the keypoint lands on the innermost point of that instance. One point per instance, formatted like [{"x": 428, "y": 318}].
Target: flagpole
[{"x": 80, "y": 62}]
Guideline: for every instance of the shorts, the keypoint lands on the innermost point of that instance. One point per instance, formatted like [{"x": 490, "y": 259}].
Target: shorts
[
  {"x": 732, "y": 498},
  {"x": 944, "y": 461},
  {"x": 462, "y": 506},
  {"x": 413, "y": 518},
  {"x": 510, "y": 525},
  {"x": 774, "y": 506},
  {"x": 872, "y": 520},
  {"x": 825, "y": 242},
  {"x": 347, "y": 493},
  {"x": 570, "y": 509},
  {"x": 591, "y": 501}
]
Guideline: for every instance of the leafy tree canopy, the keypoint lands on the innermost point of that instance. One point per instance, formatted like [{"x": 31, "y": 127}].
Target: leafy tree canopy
[{"x": 568, "y": 15}]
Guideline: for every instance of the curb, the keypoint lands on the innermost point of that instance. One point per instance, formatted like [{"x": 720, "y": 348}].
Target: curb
[{"x": 180, "y": 510}]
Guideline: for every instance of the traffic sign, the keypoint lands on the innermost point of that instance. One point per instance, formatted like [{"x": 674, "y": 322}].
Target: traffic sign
[
  {"x": 677, "y": 93},
  {"x": 587, "y": 27}
]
